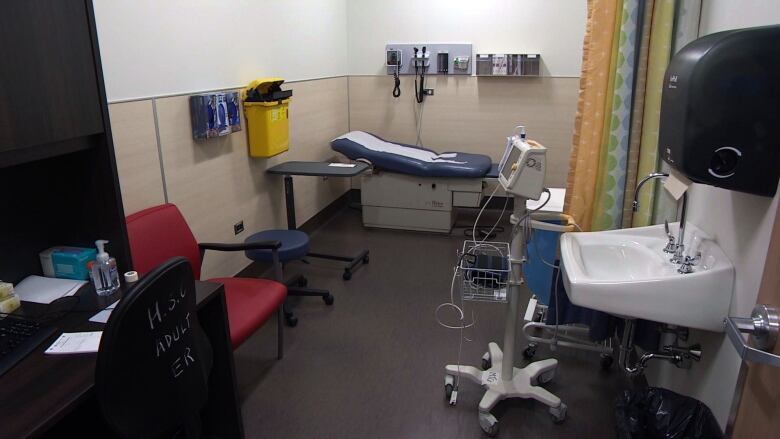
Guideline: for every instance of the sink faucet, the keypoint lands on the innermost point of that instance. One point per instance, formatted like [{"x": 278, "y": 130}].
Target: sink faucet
[{"x": 679, "y": 251}]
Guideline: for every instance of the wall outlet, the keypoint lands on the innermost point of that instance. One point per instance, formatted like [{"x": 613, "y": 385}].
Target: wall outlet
[
  {"x": 428, "y": 91},
  {"x": 238, "y": 227}
]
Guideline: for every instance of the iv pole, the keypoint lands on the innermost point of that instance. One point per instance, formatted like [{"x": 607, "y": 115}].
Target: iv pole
[{"x": 502, "y": 380}]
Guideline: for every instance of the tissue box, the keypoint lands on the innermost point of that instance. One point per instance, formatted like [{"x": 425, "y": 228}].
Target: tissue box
[{"x": 67, "y": 262}]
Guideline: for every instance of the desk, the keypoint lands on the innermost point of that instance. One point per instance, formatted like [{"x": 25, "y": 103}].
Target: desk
[
  {"x": 43, "y": 389},
  {"x": 318, "y": 169}
]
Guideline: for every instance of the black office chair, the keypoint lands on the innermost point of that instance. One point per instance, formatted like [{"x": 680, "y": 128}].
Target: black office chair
[{"x": 154, "y": 360}]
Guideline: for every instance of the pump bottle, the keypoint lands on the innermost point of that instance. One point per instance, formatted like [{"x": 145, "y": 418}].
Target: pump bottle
[{"x": 105, "y": 276}]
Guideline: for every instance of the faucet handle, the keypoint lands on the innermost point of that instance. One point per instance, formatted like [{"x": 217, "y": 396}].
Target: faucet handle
[
  {"x": 671, "y": 246},
  {"x": 688, "y": 262}
]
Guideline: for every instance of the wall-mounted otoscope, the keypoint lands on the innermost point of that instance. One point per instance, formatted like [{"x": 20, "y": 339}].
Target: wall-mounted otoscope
[{"x": 421, "y": 63}]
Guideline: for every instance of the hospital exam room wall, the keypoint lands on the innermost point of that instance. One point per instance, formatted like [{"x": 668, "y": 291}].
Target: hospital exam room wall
[
  {"x": 742, "y": 225},
  {"x": 156, "y": 53},
  {"x": 470, "y": 113}
]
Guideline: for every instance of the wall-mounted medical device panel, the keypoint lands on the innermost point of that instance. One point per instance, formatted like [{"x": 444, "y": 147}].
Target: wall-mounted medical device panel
[
  {"x": 522, "y": 168},
  {"x": 438, "y": 58},
  {"x": 720, "y": 110},
  {"x": 508, "y": 64}
]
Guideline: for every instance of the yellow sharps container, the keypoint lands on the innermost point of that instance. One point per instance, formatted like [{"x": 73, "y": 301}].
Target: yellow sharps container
[{"x": 267, "y": 110}]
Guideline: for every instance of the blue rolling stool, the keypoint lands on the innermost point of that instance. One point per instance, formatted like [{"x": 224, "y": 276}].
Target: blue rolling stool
[{"x": 295, "y": 246}]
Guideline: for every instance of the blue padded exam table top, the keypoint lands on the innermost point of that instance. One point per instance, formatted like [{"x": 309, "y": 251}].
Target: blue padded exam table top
[{"x": 410, "y": 159}]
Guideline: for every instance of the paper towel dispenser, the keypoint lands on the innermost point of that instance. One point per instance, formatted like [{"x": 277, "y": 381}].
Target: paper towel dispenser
[{"x": 720, "y": 110}]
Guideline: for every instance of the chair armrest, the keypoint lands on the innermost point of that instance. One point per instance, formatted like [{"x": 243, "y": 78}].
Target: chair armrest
[{"x": 241, "y": 246}]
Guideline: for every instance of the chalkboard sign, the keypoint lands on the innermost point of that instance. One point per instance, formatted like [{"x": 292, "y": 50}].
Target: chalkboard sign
[{"x": 154, "y": 359}]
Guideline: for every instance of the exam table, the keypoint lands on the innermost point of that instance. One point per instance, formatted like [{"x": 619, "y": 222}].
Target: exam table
[{"x": 414, "y": 188}]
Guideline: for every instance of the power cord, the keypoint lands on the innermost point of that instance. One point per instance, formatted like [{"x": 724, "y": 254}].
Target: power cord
[
  {"x": 459, "y": 308},
  {"x": 421, "y": 107}
]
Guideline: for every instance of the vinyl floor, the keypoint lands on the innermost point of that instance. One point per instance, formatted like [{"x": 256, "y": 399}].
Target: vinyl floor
[{"x": 372, "y": 365}]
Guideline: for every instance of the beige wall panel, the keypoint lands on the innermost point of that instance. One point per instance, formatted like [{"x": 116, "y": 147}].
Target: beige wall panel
[
  {"x": 216, "y": 184},
  {"x": 472, "y": 114},
  {"x": 138, "y": 163}
]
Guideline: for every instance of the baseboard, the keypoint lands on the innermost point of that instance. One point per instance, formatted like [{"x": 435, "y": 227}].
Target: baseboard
[
  {"x": 495, "y": 202},
  {"x": 327, "y": 213}
]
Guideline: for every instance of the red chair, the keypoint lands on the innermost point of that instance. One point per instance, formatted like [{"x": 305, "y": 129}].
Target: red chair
[{"x": 159, "y": 233}]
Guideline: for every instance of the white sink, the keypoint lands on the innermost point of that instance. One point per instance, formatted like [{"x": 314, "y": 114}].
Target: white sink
[{"x": 626, "y": 273}]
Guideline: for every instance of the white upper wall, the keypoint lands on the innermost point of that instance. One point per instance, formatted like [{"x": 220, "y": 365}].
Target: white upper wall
[
  {"x": 152, "y": 48},
  {"x": 156, "y": 48},
  {"x": 720, "y": 15},
  {"x": 553, "y": 28}
]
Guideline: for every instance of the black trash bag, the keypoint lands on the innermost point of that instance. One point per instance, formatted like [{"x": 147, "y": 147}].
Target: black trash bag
[{"x": 655, "y": 413}]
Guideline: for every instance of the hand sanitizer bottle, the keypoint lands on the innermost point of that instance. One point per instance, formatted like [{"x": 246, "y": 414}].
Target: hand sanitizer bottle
[{"x": 105, "y": 276}]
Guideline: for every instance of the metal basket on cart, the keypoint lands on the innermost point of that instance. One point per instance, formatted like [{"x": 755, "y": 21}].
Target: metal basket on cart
[{"x": 484, "y": 271}]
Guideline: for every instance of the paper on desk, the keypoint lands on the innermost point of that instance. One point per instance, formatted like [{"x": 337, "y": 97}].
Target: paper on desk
[
  {"x": 76, "y": 343},
  {"x": 103, "y": 315},
  {"x": 342, "y": 165},
  {"x": 41, "y": 289}
]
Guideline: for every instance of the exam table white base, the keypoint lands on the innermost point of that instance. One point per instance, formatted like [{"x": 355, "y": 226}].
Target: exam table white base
[
  {"x": 524, "y": 384},
  {"x": 408, "y": 202}
]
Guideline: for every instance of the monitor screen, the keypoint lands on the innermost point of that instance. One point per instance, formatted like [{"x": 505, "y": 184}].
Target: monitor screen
[{"x": 514, "y": 156}]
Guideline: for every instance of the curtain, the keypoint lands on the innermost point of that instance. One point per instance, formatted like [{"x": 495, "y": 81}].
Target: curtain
[
  {"x": 614, "y": 152},
  {"x": 625, "y": 54},
  {"x": 637, "y": 112},
  {"x": 591, "y": 104},
  {"x": 660, "y": 50}
]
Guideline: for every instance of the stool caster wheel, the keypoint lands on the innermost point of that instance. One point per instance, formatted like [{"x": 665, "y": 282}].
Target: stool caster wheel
[
  {"x": 487, "y": 363},
  {"x": 558, "y": 413},
  {"x": 302, "y": 282},
  {"x": 606, "y": 361},
  {"x": 489, "y": 424},
  {"x": 292, "y": 321},
  {"x": 529, "y": 352},
  {"x": 365, "y": 259},
  {"x": 328, "y": 299},
  {"x": 347, "y": 274}
]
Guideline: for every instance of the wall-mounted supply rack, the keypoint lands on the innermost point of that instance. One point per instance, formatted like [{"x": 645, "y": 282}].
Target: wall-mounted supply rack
[
  {"x": 438, "y": 59},
  {"x": 508, "y": 64}
]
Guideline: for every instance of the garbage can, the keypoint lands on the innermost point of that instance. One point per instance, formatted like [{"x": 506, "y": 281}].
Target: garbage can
[
  {"x": 542, "y": 250},
  {"x": 656, "y": 413},
  {"x": 266, "y": 107}
]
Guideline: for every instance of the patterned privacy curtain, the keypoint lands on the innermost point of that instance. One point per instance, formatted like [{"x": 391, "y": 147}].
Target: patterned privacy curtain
[{"x": 625, "y": 54}]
